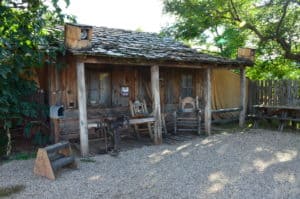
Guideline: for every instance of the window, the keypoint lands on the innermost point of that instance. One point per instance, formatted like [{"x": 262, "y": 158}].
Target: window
[
  {"x": 99, "y": 88},
  {"x": 186, "y": 85}
]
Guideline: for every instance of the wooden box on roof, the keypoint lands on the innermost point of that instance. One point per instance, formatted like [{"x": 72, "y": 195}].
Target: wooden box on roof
[
  {"x": 246, "y": 53},
  {"x": 78, "y": 36}
]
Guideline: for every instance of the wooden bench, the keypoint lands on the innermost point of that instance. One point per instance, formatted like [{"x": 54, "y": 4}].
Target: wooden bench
[{"x": 277, "y": 113}]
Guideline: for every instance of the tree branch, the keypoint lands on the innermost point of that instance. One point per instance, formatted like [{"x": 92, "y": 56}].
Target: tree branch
[
  {"x": 234, "y": 14},
  {"x": 256, "y": 31},
  {"x": 288, "y": 50},
  {"x": 284, "y": 9}
]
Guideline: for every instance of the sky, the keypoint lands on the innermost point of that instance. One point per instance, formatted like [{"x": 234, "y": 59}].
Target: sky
[{"x": 145, "y": 15}]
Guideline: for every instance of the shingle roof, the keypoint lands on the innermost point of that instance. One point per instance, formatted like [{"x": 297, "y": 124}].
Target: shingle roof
[{"x": 149, "y": 46}]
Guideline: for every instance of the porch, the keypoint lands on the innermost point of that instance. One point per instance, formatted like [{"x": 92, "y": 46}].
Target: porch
[{"x": 102, "y": 84}]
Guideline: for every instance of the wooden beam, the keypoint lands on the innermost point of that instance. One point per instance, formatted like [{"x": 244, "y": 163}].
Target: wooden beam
[
  {"x": 162, "y": 63},
  {"x": 243, "y": 97},
  {"x": 156, "y": 104},
  {"x": 208, "y": 101},
  {"x": 84, "y": 140},
  {"x": 225, "y": 110}
]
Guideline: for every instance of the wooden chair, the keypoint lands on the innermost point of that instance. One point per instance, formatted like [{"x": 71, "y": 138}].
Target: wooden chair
[
  {"x": 188, "y": 116},
  {"x": 144, "y": 120},
  {"x": 138, "y": 110}
]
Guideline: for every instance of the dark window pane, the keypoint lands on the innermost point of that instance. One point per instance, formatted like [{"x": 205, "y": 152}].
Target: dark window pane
[{"x": 186, "y": 85}]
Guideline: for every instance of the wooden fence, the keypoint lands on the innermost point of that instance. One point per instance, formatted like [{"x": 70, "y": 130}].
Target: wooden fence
[{"x": 274, "y": 92}]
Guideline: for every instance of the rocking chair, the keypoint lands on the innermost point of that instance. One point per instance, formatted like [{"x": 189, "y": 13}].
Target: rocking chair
[{"x": 188, "y": 116}]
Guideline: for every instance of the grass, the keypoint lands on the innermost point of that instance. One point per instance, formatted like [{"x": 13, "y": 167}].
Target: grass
[
  {"x": 23, "y": 156},
  {"x": 8, "y": 191},
  {"x": 18, "y": 156},
  {"x": 87, "y": 160}
]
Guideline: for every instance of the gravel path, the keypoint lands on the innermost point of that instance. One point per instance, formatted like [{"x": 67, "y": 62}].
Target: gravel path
[{"x": 253, "y": 164}]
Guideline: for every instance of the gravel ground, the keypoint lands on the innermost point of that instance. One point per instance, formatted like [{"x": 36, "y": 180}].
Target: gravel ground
[{"x": 253, "y": 164}]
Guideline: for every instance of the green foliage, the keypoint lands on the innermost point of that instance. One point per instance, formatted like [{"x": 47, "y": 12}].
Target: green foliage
[
  {"x": 87, "y": 160},
  {"x": 28, "y": 40},
  {"x": 23, "y": 156},
  {"x": 38, "y": 132},
  {"x": 229, "y": 41},
  {"x": 266, "y": 21},
  {"x": 272, "y": 26},
  {"x": 8, "y": 191},
  {"x": 278, "y": 68}
]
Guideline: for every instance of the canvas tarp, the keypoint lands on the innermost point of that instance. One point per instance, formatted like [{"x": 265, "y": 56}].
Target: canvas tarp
[{"x": 225, "y": 92}]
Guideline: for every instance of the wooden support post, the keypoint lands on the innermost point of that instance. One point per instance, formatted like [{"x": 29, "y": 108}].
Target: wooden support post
[
  {"x": 56, "y": 130},
  {"x": 156, "y": 104},
  {"x": 243, "y": 97},
  {"x": 84, "y": 140},
  {"x": 208, "y": 101}
]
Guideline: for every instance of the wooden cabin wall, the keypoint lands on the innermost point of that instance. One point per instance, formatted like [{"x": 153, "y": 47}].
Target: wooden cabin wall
[
  {"x": 63, "y": 84},
  {"x": 124, "y": 76},
  {"x": 63, "y": 90},
  {"x": 170, "y": 84}
]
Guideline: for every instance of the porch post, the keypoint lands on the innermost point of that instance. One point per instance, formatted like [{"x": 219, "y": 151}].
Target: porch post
[
  {"x": 84, "y": 141},
  {"x": 243, "y": 97},
  {"x": 156, "y": 104},
  {"x": 208, "y": 101}
]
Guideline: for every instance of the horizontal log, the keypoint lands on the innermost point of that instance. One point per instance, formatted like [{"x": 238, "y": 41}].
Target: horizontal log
[
  {"x": 56, "y": 147},
  {"x": 225, "y": 110},
  {"x": 188, "y": 129},
  {"x": 186, "y": 118},
  {"x": 141, "y": 120},
  {"x": 55, "y": 156},
  {"x": 163, "y": 63},
  {"x": 59, "y": 163}
]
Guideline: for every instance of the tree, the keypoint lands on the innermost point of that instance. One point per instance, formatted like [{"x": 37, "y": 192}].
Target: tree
[
  {"x": 267, "y": 23},
  {"x": 28, "y": 40}
]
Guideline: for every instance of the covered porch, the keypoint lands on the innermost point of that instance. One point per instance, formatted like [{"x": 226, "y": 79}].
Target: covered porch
[{"x": 156, "y": 84}]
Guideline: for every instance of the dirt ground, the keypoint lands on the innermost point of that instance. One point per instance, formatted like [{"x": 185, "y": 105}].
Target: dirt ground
[{"x": 245, "y": 164}]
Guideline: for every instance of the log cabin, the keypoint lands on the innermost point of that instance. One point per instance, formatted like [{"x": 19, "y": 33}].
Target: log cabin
[{"x": 105, "y": 68}]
